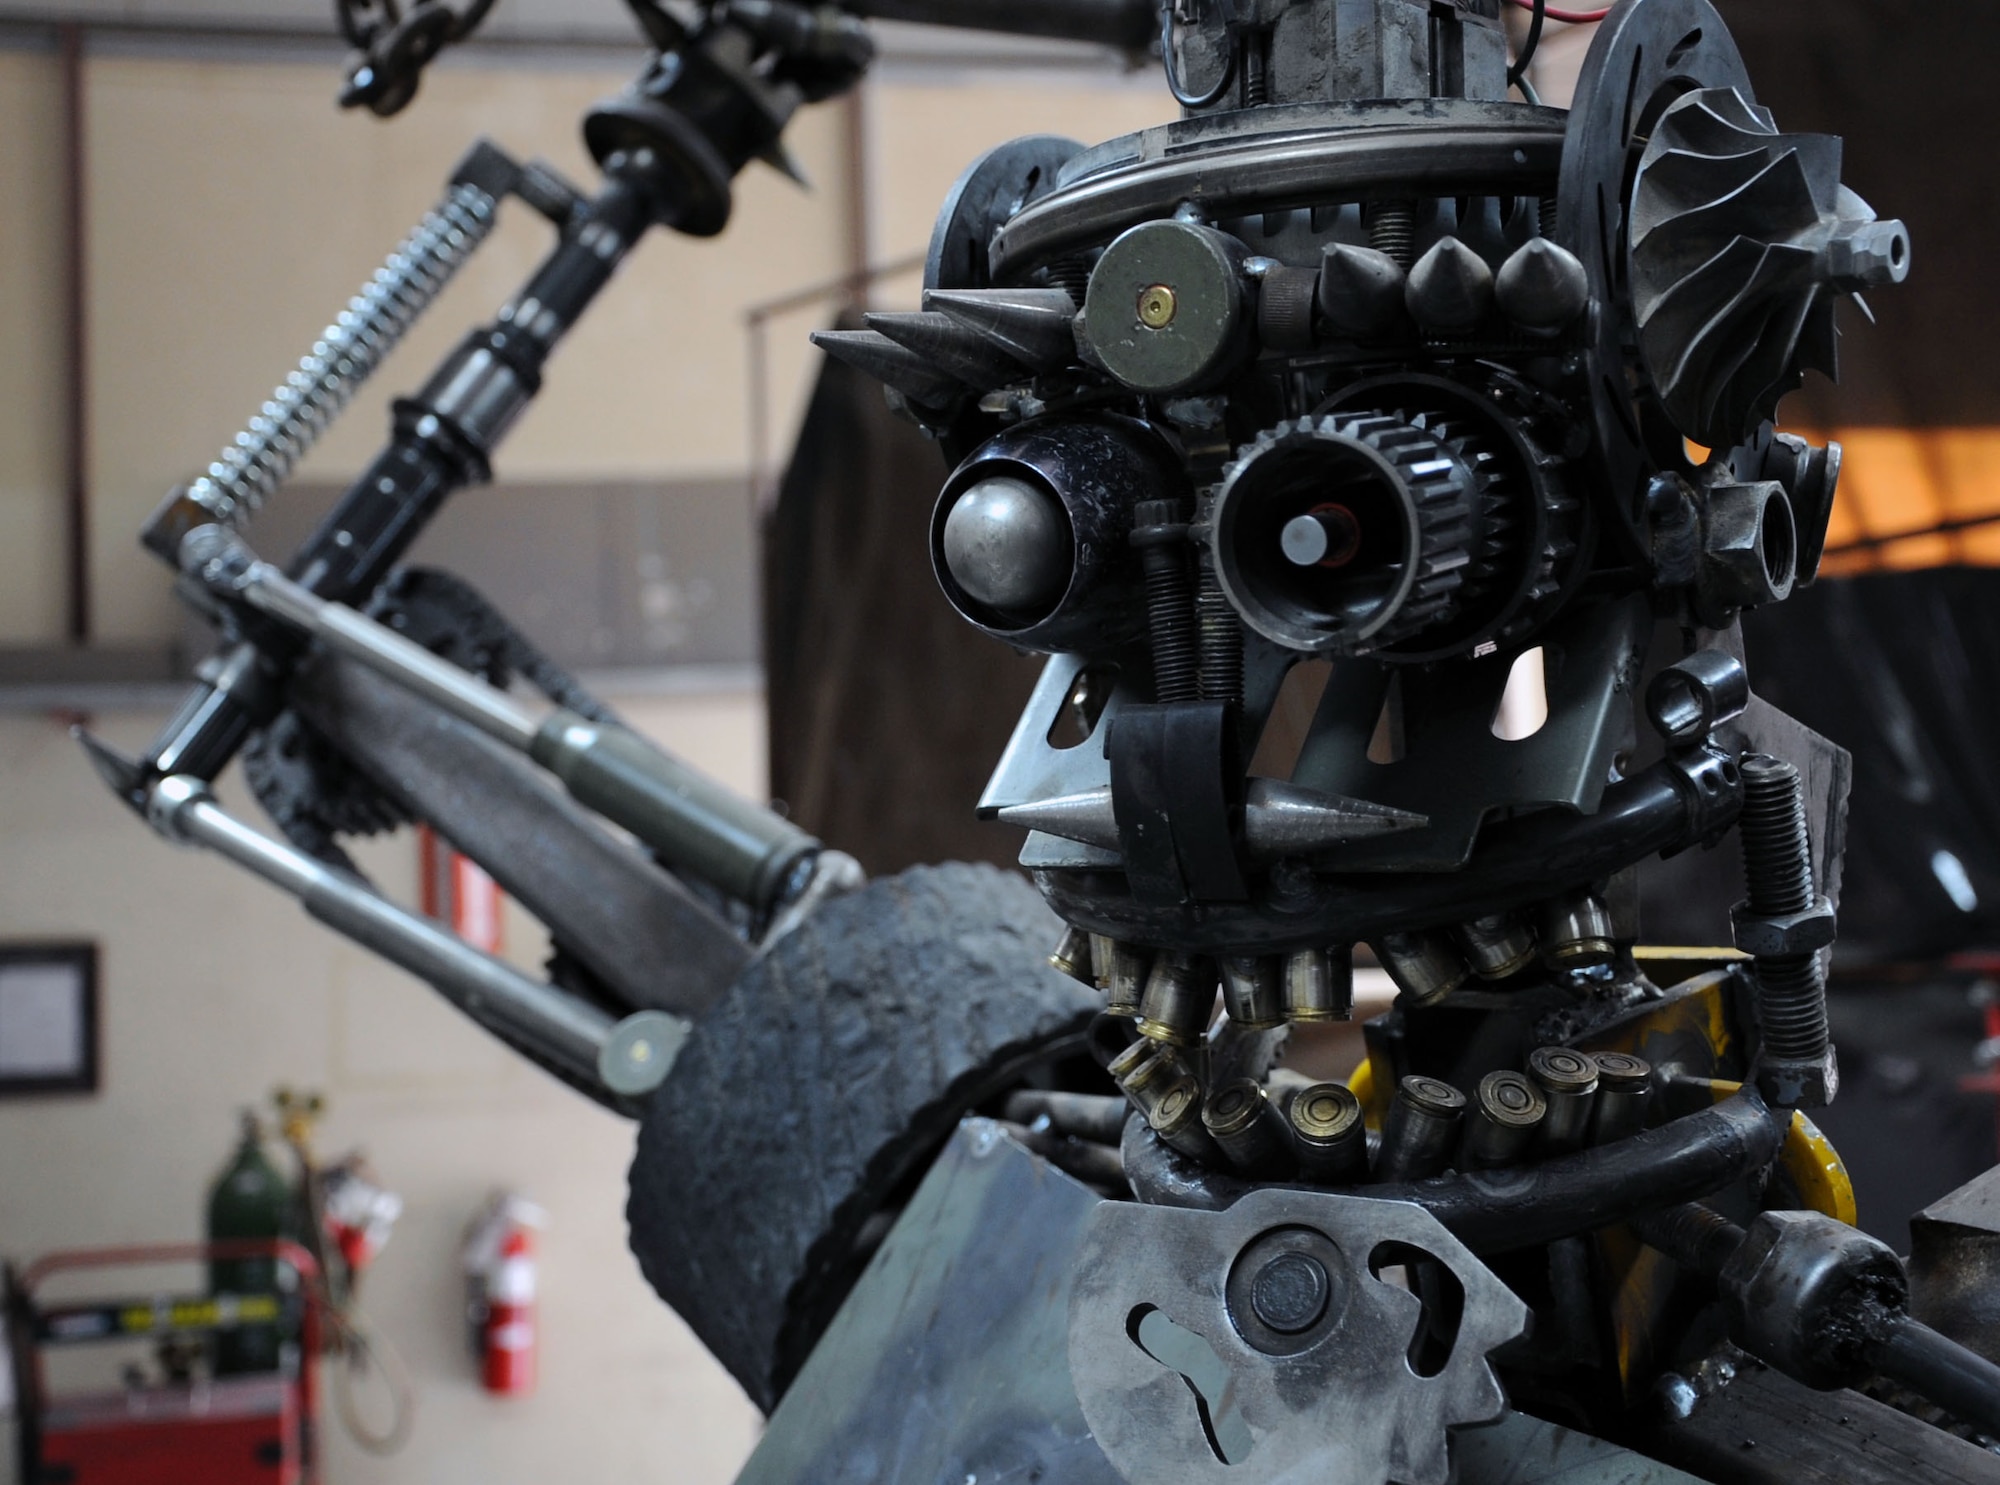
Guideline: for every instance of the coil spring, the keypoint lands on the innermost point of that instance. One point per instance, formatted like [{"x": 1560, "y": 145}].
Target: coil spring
[{"x": 246, "y": 473}]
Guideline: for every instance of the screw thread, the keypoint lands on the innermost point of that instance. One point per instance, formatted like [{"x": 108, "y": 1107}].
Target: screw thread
[
  {"x": 1777, "y": 852},
  {"x": 1392, "y": 231},
  {"x": 1221, "y": 641},
  {"x": 1170, "y": 615},
  {"x": 1777, "y": 870}
]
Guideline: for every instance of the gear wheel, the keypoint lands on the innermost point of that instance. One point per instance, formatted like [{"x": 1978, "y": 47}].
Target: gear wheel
[
  {"x": 1742, "y": 239},
  {"x": 1409, "y": 502}
]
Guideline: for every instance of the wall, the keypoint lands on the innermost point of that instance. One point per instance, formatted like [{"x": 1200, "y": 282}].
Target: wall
[{"x": 216, "y": 989}]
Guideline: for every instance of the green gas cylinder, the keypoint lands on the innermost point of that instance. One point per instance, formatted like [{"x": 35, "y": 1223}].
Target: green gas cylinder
[{"x": 250, "y": 1199}]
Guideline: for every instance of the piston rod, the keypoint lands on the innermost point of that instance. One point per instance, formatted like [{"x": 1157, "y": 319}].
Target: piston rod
[
  {"x": 619, "y": 1058},
  {"x": 695, "y": 824}
]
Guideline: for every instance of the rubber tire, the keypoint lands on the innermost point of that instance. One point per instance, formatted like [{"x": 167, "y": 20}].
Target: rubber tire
[{"x": 808, "y": 1098}]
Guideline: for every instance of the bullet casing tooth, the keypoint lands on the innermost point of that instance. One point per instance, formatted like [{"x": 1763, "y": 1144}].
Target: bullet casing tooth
[
  {"x": 1329, "y": 1139},
  {"x": 1506, "y": 1113},
  {"x": 1146, "y": 1063},
  {"x": 1568, "y": 1080},
  {"x": 1319, "y": 984},
  {"x": 1253, "y": 991},
  {"x": 1173, "y": 1109},
  {"x": 1242, "y": 1120},
  {"x": 1425, "y": 965},
  {"x": 1178, "y": 1002},
  {"x": 1577, "y": 932},
  {"x": 1421, "y": 1130},
  {"x": 1073, "y": 955},
  {"x": 1624, "y": 1093},
  {"x": 1497, "y": 946},
  {"x": 1120, "y": 971}
]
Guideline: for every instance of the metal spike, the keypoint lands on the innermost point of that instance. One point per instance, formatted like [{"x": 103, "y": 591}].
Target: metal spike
[
  {"x": 1281, "y": 819},
  {"x": 123, "y": 774},
  {"x": 949, "y": 346},
  {"x": 1360, "y": 290},
  {"x": 1085, "y": 817},
  {"x": 1037, "y": 327},
  {"x": 880, "y": 357},
  {"x": 782, "y": 160},
  {"x": 1450, "y": 288},
  {"x": 1542, "y": 287}
]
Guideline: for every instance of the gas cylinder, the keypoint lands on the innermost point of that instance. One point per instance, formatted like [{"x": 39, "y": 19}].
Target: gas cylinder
[{"x": 250, "y": 1199}]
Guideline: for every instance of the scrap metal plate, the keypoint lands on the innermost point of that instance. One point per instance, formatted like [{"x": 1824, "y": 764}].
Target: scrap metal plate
[
  {"x": 946, "y": 1363},
  {"x": 1324, "y": 1368}
]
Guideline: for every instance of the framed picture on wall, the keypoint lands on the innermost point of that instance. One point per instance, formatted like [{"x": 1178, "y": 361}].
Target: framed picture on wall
[{"x": 48, "y": 1019}]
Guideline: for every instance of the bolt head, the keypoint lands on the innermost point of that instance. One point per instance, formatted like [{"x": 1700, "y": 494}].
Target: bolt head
[{"x": 1290, "y": 1293}]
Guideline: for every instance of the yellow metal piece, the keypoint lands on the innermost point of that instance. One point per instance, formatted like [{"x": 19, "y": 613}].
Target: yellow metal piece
[
  {"x": 1815, "y": 1168},
  {"x": 1374, "y": 1101},
  {"x": 1811, "y": 1164},
  {"x": 1157, "y": 306}
]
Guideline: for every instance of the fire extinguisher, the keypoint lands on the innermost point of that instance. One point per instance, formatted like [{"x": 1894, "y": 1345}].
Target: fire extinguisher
[{"x": 500, "y": 1285}]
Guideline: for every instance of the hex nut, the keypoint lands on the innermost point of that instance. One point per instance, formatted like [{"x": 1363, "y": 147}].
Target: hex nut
[
  {"x": 1749, "y": 545},
  {"x": 1784, "y": 935},
  {"x": 1799, "y": 1083}
]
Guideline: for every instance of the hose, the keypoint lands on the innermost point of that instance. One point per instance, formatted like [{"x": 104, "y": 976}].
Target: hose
[{"x": 1500, "y": 1211}]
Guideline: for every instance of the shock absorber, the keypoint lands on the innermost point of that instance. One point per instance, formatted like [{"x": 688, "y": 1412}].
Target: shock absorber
[{"x": 259, "y": 459}]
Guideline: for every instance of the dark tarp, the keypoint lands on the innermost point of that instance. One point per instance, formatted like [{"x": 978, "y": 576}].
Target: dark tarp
[{"x": 887, "y": 710}]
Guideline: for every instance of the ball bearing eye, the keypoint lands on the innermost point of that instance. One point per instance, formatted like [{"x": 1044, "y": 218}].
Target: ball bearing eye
[{"x": 1008, "y": 545}]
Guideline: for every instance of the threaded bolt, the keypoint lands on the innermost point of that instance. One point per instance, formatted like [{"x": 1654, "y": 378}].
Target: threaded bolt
[
  {"x": 1777, "y": 870},
  {"x": 1170, "y": 611},
  {"x": 1392, "y": 231},
  {"x": 1221, "y": 641}
]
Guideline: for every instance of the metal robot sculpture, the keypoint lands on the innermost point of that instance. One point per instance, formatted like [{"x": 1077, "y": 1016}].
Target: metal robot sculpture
[{"x": 1362, "y": 385}]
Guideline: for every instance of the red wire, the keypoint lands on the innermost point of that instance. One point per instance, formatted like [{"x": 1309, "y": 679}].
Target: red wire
[{"x": 1568, "y": 17}]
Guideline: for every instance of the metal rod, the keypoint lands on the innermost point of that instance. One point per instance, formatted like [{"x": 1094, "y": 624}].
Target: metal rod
[
  {"x": 1130, "y": 25},
  {"x": 76, "y": 344},
  {"x": 381, "y": 649},
  {"x": 695, "y": 824},
  {"x": 624, "y": 1058}
]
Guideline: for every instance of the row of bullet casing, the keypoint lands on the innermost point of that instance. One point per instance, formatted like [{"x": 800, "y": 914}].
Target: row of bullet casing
[
  {"x": 1313, "y": 1132},
  {"x": 1171, "y": 995},
  {"x": 1568, "y": 933},
  {"x": 1565, "y": 1101}
]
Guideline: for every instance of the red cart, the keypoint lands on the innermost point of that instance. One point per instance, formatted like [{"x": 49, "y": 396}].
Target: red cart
[{"x": 255, "y": 1429}]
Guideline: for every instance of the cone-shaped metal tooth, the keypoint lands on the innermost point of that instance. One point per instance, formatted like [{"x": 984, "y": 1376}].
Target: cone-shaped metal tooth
[
  {"x": 1542, "y": 287},
  {"x": 892, "y": 365},
  {"x": 1360, "y": 290},
  {"x": 1450, "y": 289},
  {"x": 1036, "y": 327},
  {"x": 1084, "y": 817},
  {"x": 949, "y": 346},
  {"x": 1281, "y": 819}
]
